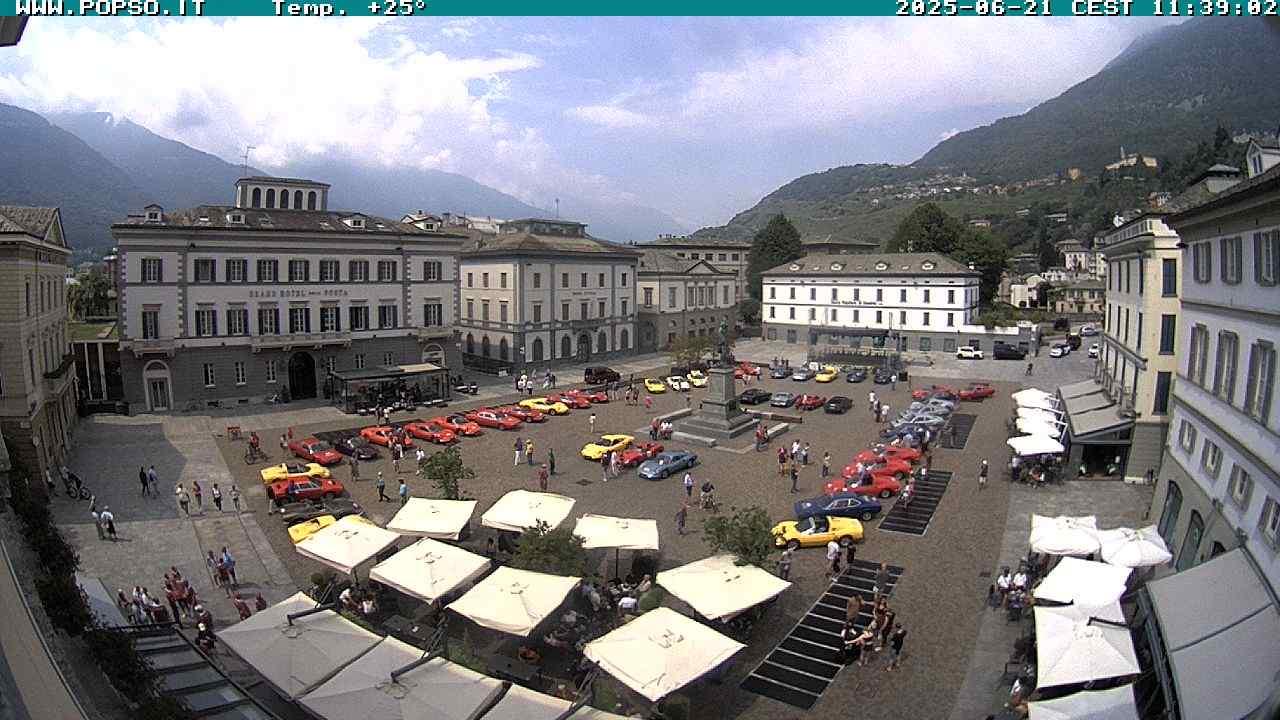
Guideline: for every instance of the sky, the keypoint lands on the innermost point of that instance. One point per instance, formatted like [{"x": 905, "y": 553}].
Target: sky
[{"x": 697, "y": 117}]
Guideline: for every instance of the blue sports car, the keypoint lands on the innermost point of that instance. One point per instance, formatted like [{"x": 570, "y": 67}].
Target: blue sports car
[
  {"x": 664, "y": 464},
  {"x": 841, "y": 504}
]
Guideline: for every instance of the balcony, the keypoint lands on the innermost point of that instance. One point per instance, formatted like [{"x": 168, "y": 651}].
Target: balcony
[
  {"x": 152, "y": 346},
  {"x": 56, "y": 379},
  {"x": 436, "y": 332},
  {"x": 294, "y": 340}
]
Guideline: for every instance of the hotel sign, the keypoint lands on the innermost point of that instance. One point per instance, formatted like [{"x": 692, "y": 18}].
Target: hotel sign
[{"x": 300, "y": 293}]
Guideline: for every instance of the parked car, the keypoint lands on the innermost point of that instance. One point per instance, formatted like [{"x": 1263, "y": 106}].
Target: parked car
[
  {"x": 1059, "y": 350},
  {"x": 754, "y": 396},
  {"x": 382, "y": 435},
  {"x": 809, "y": 401},
  {"x": 305, "y": 529},
  {"x": 944, "y": 391},
  {"x": 663, "y": 464},
  {"x": 654, "y": 386},
  {"x": 697, "y": 378},
  {"x": 543, "y": 405},
  {"x": 596, "y": 449},
  {"x": 827, "y": 374},
  {"x": 850, "y": 505},
  {"x": 872, "y": 456},
  {"x": 967, "y": 352},
  {"x": 856, "y": 375},
  {"x": 802, "y": 373},
  {"x": 882, "y": 485},
  {"x": 909, "y": 435},
  {"x": 577, "y": 402},
  {"x": 357, "y": 447},
  {"x": 782, "y": 399},
  {"x": 883, "y": 465},
  {"x": 1074, "y": 341},
  {"x": 838, "y": 405},
  {"x": 976, "y": 392},
  {"x": 749, "y": 368},
  {"x": 296, "y": 512},
  {"x": 1004, "y": 351},
  {"x": 315, "y": 450},
  {"x": 521, "y": 413},
  {"x": 639, "y": 452},
  {"x": 779, "y": 372},
  {"x": 1088, "y": 330},
  {"x": 293, "y": 471},
  {"x": 883, "y": 376},
  {"x": 678, "y": 383},
  {"x": 492, "y": 419},
  {"x": 431, "y": 432},
  {"x": 459, "y": 424},
  {"x": 817, "y": 531},
  {"x": 304, "y": 489},
  {"x": 591, "y": 396},
  {"x": 600, "y": 374},
  {"x": 1094, "y": 349}
]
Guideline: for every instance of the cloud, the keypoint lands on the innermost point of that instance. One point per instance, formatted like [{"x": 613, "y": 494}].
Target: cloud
[
  {"x": 948, "y": 134},
  {"x": 610, "y": 116}
]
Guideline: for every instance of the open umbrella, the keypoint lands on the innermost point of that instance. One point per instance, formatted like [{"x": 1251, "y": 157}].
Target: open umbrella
[
  {"x": 1033, "y": 395},
  {"x": 1131, "y": 548},
  {"x": 1064, "y": 535},
  {"x": 1075, "y": 645},
  {"x": 1083, "y": 582},
  {"x": 1114, "y": 704},
  {"x": 1026, "y": 445},
  {"x": 1044, "y": 416},
  {"x": 1038, "y": 427}
]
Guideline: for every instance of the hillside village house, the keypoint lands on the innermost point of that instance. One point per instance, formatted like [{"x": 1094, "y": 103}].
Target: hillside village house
[
  {"x": 680, "y": 298},
  {"x": 274, "y": 294},
  {"x": 37, "y": 384},
  {"x": 1081, "y": 297},
  {"x": 721, "y": 253},
  {"x": 544, "y": 290}
]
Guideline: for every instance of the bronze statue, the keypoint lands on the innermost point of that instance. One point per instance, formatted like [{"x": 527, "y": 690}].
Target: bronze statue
[{"x": 725, "y": 355}]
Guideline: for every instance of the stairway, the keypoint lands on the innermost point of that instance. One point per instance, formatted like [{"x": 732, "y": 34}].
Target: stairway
[{"x": 914, "y": 519}]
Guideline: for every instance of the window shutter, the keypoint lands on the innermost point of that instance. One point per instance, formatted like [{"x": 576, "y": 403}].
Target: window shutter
[
  {"x": 1219, "y": 358},
  {"x": 1251, "y": 398},
  {"x": 1268, "y": 381},
  {"x": 1257, "y": 258}
]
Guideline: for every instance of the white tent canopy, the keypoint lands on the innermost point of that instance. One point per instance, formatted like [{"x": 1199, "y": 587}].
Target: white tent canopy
[
  {"x": 296, "y": 657},
  {"x": 1114, "y": 704},
  {"x": 521, "y": 703},
  {"x": 603, "y": 531},
  {"x": 437, "y": 690},
  {"x": 1038, "y": 427},
  {"x": 1028, "y": 395},
  {"x": 1072, "y": 648},
  {"x": 660, "y": 652},
  {"x": 1044, "y": 416},
  {"x": 1064, "y": 535},
  {"x": 514, "y": 601},
  {"x": 1131, "y": 548},
  {"x": 1026, "y": 445},
  {"x": 347, "y": 544},
  {"x": 440, "y": 519},
  {"x": 717, "y": 588},
  {"x": 429, "y": 569},
  {"x": 520, "y": 510},
  {"x": 1083, "y": 582}
]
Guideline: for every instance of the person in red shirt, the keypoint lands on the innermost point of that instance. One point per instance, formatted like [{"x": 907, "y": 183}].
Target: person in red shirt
[{"x": 542, "y": 478}]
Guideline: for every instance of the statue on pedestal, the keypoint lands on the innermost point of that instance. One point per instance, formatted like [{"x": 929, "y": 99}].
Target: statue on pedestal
[{"x": 724, "y": 355}]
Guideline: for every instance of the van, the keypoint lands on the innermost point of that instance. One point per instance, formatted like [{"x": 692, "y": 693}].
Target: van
[
  {"x": 597, "y": 375},
  {"x": 1005, "y": 351}
]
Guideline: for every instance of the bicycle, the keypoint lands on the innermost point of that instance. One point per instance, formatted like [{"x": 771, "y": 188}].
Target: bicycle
[
  {"x": 253, "y": 454},
  {"x": 75, "y": 488}
]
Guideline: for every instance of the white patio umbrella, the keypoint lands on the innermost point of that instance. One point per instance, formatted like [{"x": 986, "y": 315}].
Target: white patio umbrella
[
  {"x": 440, "y": 519},
  {"x": 1072, "y": 646},
  {"x": 1038, "y": 427},
  {"x": 1083, "y": 582},
  {"x": 523, "y": 704},
  {"x": 1131, "y": 548},
  {"x": 347, "y": 544},
  {"x": 1044, "y": 416},
  {"x": 604, "y": 531},
  {"x": 718, "y": 588},
  {"x": 520, "y": 510},
  {"x": 1035, "y": 398},
  {"x": 514, "y": 601},
  {"x": 1114, "y": 704},
  {"x": 429, "y": 569},
  {"x": 1064, "y": 535},
  {"x": 1026, "y": 445}
]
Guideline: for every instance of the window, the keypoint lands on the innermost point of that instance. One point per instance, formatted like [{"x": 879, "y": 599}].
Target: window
[
  {"x": 388, "y": 316},
  {"x": 1126, "y": 326},
  {"x": 879, "y": 316},
  {"x": 601, "y": 279},
  {"x": 1231, "y": 260},
  {"x": 813, "y": 313},
  {"x": 1161, "y": 405},
  {"x": 1191, "y": 544},
  {"x": 471, "y": 309},
  {"x": 855, "y": 315},
  {"x": 329, "y": 271},
  {"x": 671, "y": 297},
  {"x": 791, "y": 313},
  {"x": 268, "y": 321},
  {"x": 299, "y": 271},
  {"x": 951, "y": 297},
  {"x": 724, "y": 295},
  {"x": 564, "y": 312},
  {"x": 206, "y": 270},
  {"x": 1139, "y": 331},
  {"x": 268, "y": 271},
  {"x": 1187, "y": 436},
  {"x": 358, "y": 271},
  {"x": 331, "y": 364},
  {"x": 270, "y": 370},
  {"x": 879, "y": 294},
  {"x": 300, "y": 319},
  {"x": 1169, "y": 277},
  {"x": 835, "y": 294},
  {"x": 773, "y": 292},
  {"x": 793, "y": 293},
  {"x": 1269, "y": 521},
  {"x": 237, "y": 321},
  {"x": 388, "y": 359},
  {"x": 503, "y": 311},
  {"x": 1199, "y": 354},
  {"x": 206, "y": 322},
  {"x": 601, "y": 308},
  {"x": 1202, "y": 261},
  {"x": 582, "y": 280},
  {"x": 1262, "y": 376},
  {"x": 1211, "y": 458},
  {"x": 484, "y": 310},
  {"x": 857, "y": 292},
  {"x": 584, "y": 310},
  {"x": 329, "y": 318},
  {"x": 471, "y": 279},
  {"x": 433, "y": 314},
  {"x": 432, "y": 271},
  {"x": 387, "y": 271},
  {"x": 1168, "y": 333},
  {"x": 359, "y": 361},
  {"x": 358, "y": 317},
  {"x": 624, "y": 307},
  {"x": 813, "y": 293},
  {"x": 1142, "y": 276},
  {"x": 537, "y": 312},
  {"x": 1169, "y": 513},
  {"x": 624, "y": 284},
  {"x": 926, "y": 319},
  {"x": 902, "y": 317},
  {"x": 237, "y": 271},
  {"x": 1266, "y": 257},
  {"x": 648, "y": 297},
  {"x": 484, "y": 280},
  {"x": 564, "y": 280},
  {"x": 926, "y": 295},
  {"x": 902, "y": 295},
  {"x": 1224, "y": 367},
  {"x": 240, "y": 374},
  {"x": 772, "y": 314},
  {"x": 150, "y": 324},
  {"x": 151, "y": 273},
  {"x": 209, "y": 378},
  {"x": 951, "y": 319}
]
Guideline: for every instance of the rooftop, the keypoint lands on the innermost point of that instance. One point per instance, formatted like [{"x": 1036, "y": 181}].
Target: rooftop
[
  {"x": 1266, "y": 182},
  {"x": 218, "y": 217},
  {"x": 522, "y": 241},
  {"x": 873, "y": 264},
  {"x": 709, "y": 241},
  {"x": 653, "y": 260},
  {"x": 81, "y": 331},
  {"x": 291, "y": 181},
  {"x": 27, "y": 220}
]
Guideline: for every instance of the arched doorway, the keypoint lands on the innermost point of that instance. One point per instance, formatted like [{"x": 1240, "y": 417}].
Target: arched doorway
[
  {"x": 155, "y": 381},
  {"x": 602, "y": 342},
  {"x": 302, "y": 376},
  {"x": 566, "y": 347},
  {"x": 584, "y": 346},
  {"x": 484, "y": 346},
  {"x": 537, "y": 350},
  {"x": 433, "y": 354},
  {"x": 504, "y": 350},
  {"x": 471, "y": 344},
  {"x": 624, "y": 339}
]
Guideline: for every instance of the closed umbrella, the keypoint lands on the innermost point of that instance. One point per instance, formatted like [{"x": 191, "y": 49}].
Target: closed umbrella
[
  {"x": 1114, "y": 704},
  {"x": 1131, "y": 548},
  {"x": 1083, "y": 582},
  {"x": 1075, "y": 645},
  {"x": 1026, "y": 445},
  {"x": 1064, "y": 535}
]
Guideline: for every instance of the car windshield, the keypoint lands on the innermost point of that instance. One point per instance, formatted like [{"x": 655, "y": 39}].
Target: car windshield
[
  {"x": 805, "y": 525},
  {"x": 295, "y": 467},
  {"x": 320, "y": 446}
]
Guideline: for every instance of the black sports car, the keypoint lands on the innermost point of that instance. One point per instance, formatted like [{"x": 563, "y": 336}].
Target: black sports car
[
  {"x": 296, "y": 512},
  {"x": 838, "y": 405},
  {"x": 358, "y": 447},
  {"x": 856, "y": 375},
  {"x": 754, "y": 396},
  {"x": 779, "y": 372},
  {"x": 883, "y": 377}
]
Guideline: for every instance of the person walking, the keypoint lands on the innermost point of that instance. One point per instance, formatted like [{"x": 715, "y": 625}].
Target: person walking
[
  {"x": 381, "y": 484},
  {"x": 681, "y": 516},
  {"x": 404, "y": 492},
  {"x": 184, "y": 501},
  {"x": 551, "y": 461},
  {"x": 881, "y": 587},
  {"x": 396, "y": 453},
  {"x": 229, "y": 562},
  {"x": 982, "y": 474},
  {"x": 795, "y": 477},
  {"x": 421, "y": 456},
  {"x": 884, "y": 412},
  {"x": 604, "y": 467},
  {"x": 109, "y": 521},
  {"x": 804, "y": 455},
  {"x": 896, "y": 639},
  {"x": 886, "y": 628},
  {"x": 528, "y": 451},
  {"x": 833, "y": 556},
  {"x": 1029, "y": 368},
  {"x": 826, "y": 464},
  {"x": 198, "y": 492},
  {"x": 519, "y": 446},
  {"x": 591, "y": 421},
  {"x": 784, "y": 564},
  {"x": 235, "y": 498},
  {"x": 142, "y": 479},
  {"x": 871, "y": 402},
  {"x": 355, "y": 468},
  {"x": 216, "y": 494},
  {"x": 850, "y": 553},
  {"x": 688, "y": 484},
  {"x": 153, "y": 479},
  {"x": 97, "y": 524},
  {"x": 542, "y": 478}
]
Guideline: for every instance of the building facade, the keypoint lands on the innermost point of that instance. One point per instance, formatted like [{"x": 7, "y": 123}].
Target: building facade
[
  {"x": 721, "y": 253},
  {"x": 232, "y": 304},
  {"x": 544, "y": 291},
  {"x": 682, "y": 298},
  {"x": 1219, "y": 484},
  {"x": 37, "y": 381},
  {"x": 911, "y": 301},
  {"x": 1081, "y": 297}
]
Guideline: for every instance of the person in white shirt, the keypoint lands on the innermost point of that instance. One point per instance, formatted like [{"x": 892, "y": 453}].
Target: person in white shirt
[
  {"x": 833, "y": 554},
  {"x": 1004, "y": 582},
  {"x": 688, "y": 485},
  {"x": 1020, "y": 580}
]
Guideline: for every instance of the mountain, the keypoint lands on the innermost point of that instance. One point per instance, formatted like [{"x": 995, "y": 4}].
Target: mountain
[{"x": 45, "y": 165}]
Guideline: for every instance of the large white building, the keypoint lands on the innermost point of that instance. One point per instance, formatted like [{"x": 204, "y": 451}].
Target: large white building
[
  {"x": 680, "y": 298},
  {"x": 234, "y": 303},
  {"x": 544, "y": 290},
  {"x": 914, "y": 301}
]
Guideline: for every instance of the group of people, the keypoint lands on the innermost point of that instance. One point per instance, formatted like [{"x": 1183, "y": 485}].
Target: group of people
[
  {"x": 883, "y": 631},
  {"x": 1036, "y": 471},
  {"x": 879, "y": 410},
  {"x": 524, "y": 452},
  {"x": 661, "y": 429},
  {"x": 791, "y": 459},
  {"x": 184, "y": 497},
  {"x": 364, "y": 602}
]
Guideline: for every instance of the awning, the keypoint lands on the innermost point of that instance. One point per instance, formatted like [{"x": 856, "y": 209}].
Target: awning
[
  {"x": 1114, "y": 704},
  {"x": 441, "y": 519},
  {"x": 1037, "y": 427},
  {"x": 660, "y": 652},
  {"x": 1086, "y": 403},
  {"x": 437, "y": 690},
  {"x": 1064, "y": 535},
  {"x": 520, "y": 510},
  {"x": 717, "y": 588},
  {"x": 1134, "y": 548},
  {"x": 299, "y": 656},
  {"x": 1026, "y": 445},
  {"x": 603, "y": 531},
  {"x": 1219, "y": 611},
  {"x": 347, "y": 544},
  {"x": 1105, "y": 419},
  {"x": 1084, "y": 387},
  {"x": 1083, "y": 582},
  {"x": 514, "y": 601},
  {"x": 429, "y": 569},
  {"x": 1045, "y": 416},
  {"x": 419, "y": 368},
  {"x": 1072, "y": 647},
  {"x": 521, "y": 703},
  {"x": 1033, "y": 397}
]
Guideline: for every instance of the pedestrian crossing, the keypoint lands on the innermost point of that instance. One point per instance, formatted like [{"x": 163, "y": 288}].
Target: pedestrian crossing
[
  {"x": 913, "y": 518},
  {"x": 810, "y": 657}
]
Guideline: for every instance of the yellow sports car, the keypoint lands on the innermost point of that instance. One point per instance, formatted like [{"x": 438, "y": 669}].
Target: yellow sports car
[
  {"x": 828, "y": 373},
  {"x": 307, "y": 528},
  {"x": 817, "y": 531},
  {"x": 607, "y": 443},
  {"x": 697, "y": 378},
  {"x": 293, "y": 471},
  {"x": 655, "y": 386},
  {"x": 541, "y": 405}
]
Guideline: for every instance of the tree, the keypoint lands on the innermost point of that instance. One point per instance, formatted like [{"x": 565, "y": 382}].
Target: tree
[
  {"x": 749, "y": 310},
  {"x": 927, "y": 229},
  {"x": 989, "y": 257},
  {"x": 88, "y": 297},
  {"x": 777, "y": 242},
  {"x": 444, "y": 469},
  {"x": 1043, "y": 291},
  {"x": 746, "y": 534},
  {"x": 556, "y": 551},
  {"x": 685, "y": 350},
  {"x": 1045, "y": 250}
]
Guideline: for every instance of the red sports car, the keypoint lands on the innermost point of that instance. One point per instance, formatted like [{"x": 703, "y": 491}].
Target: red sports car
[
  {"x": 887, "y": 452},
  {"x": 309, "y": 489},
  {"x": 894, "y": 467},
  {"x": 522, "y": 414},
  {"x": 933, "y": 391},
  {"x": 431, "y": 432},
  {"x": 573, "y": 401},
  {"x": 977, "y": 392},
  {"x": 598, "y": 396},
  {"x": 492, "y": 419},
  {"x": 381, "y": 435},
  {"x": 315, "y": 450},
  {"x": 747, "y": 369},
  {"x": 881, "y": 485},
  {"x": 810, "y": 402},
  {"x": 459, "y": 424},
  {"x": 639, "y": 452}
]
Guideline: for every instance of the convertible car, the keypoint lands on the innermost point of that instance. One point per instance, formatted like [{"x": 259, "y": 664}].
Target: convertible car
[
  {"x": 293, "y": 471},
  {"x": 357, "y": 447},
  {"x": 315, "y": 450},
  {"x": 543, "y": 405},
  {"x": 977, "y": 391},
  {"x": 802, "y": 373},
  {"x": 305, "y": 489},
  {"x": 817, "y": 531},
  {"x": 492, "y": 419},
  {"x": 639, "y": 452},
  {"x": 697, "y": 378},
  {"x": 431, "y": 431},
  {"x": 596, "y": 449},
  {"x": 654, "y": 386},
  {"x": 827, "y": 374},
  {"x": 664, "y": 464},
  {"x": 810, "y": 402},
  {"x": 887, "y": 452},
  {"x": 744, "y": 369},
  {"x": 522, "y": 413},
  {"x": 678, "y": 383},
  {"x": 296, "y": 512},
  {"x": 305, "y": 529},
  {"x": 578, "y": 402},
  {"x": 883, "y": 485},
  {"x": 888, "y": 466},
  {"x": 381, "y": 435},
  {"x": 596, "y": 396},
  {"x": 843, "y": 505},
  {"x": 459, "y": 424}
]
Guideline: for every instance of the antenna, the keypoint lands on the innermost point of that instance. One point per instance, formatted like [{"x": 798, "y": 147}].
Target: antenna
[{"x": 244, "y": 167}]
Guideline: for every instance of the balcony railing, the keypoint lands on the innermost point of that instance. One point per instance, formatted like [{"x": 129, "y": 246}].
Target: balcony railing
[
  {"x": 263, "y": 342},
  {"x": 152, "y": 346},
  {"x": 434, "y": 332}
]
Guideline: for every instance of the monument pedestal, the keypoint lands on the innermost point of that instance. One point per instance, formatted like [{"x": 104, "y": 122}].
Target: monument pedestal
[{"x": 719, "y": 417}]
